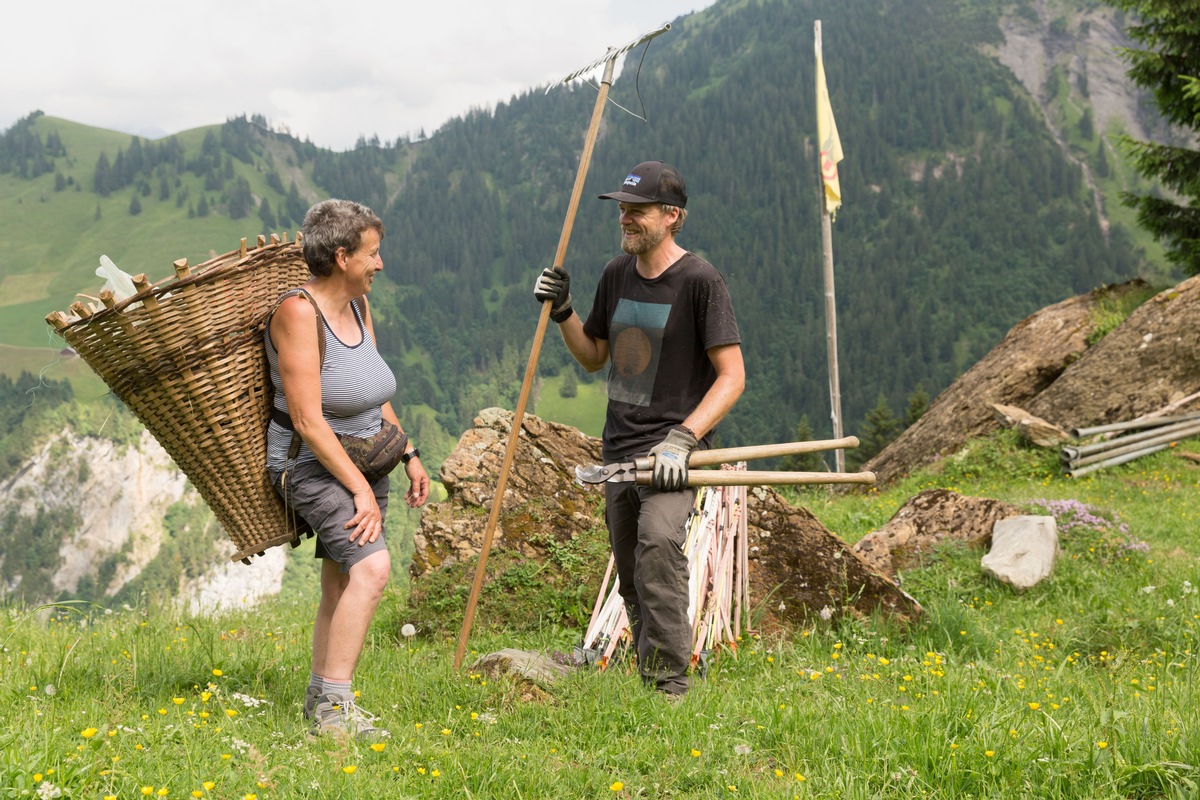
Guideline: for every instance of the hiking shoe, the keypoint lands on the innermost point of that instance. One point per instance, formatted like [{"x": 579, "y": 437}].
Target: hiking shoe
[
  {"x": 310, "y": 700},
  {"x": 337, "y": 713}
]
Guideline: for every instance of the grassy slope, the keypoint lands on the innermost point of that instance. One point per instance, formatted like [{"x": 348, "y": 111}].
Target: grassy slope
[
  {"x": 52, "y": 241},
  {"x": 1085, "y": 686}
]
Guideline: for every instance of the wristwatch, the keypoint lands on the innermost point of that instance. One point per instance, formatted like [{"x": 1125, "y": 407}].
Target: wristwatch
[{"x": 410, "y": 455}]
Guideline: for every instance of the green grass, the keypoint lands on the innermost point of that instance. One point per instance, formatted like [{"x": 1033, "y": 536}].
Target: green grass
[
  {"x": 585, "y": 411},
  {"x": 1085, "y": 686}
]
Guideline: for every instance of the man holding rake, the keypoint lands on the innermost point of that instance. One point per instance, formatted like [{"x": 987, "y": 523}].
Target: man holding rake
[{"x": 663, "y": 320}]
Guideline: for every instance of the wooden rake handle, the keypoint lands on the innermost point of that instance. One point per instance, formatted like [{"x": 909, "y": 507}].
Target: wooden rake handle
[{"x": 741, "y": 477}]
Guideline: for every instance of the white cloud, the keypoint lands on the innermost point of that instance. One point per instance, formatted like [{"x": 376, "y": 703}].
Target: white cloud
[{"x": 326, "y": 71}]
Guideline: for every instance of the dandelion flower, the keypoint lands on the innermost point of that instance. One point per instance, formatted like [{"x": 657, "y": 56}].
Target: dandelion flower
[
  {"x": 88, "y": 733},
  {"x": 1035, "y": 706},
  {"x": 208, "y": 786},
  {"x": 617, "y": 786},
  {"x": 249, "y": 797},
  {"x": 177, "y": 701},
  {"x": 989, "y": 753},
  {"x": 197, "y": 793},
  {"x": 163, "y": 792},
  {"x": 231, "y": 712},
  {"x": 218, "y": 673},
  {"x": 349, "y": 769},
  {"x": 436, "y": 773},
  {"x": 1102, "y": 745},
  {"x": 695, "y": 753},
  {"x": 378, "y": 747},
  {"x": 445, "y": 731},
  {"x": 147, "y": 790},
  {"x": 778, "y": 773}
]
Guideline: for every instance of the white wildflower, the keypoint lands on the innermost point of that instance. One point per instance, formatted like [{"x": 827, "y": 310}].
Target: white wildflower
[
  {"x": 408, "y": 630},
  {"x": 1147, "y": 589},
  {"x": 742, "y": 749}
]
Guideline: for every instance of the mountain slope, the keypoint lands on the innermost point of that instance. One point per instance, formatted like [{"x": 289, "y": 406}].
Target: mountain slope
[{"x": 963, "y": 213}]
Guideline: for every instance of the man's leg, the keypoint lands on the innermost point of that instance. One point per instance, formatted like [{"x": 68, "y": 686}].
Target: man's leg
[
  {"x": 661, "y": 581},
  {"x": 621, "y": 508}
]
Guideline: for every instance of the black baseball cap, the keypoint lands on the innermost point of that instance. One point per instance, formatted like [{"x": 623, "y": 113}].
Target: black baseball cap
[{"x": 651, "y": 182}]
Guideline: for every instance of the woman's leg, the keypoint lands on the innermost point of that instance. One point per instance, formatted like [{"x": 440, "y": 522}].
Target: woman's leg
[{"x": 352, "y": 600}]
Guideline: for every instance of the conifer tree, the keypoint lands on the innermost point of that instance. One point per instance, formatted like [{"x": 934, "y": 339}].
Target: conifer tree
[{"x": 1169, "y": 66}]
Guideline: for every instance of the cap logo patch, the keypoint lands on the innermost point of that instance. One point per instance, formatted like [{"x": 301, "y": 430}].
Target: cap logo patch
[{"x": 632, "y": 180}]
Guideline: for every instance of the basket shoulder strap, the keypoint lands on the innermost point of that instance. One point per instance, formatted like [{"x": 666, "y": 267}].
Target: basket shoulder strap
[{"x": 294, "y": 445}]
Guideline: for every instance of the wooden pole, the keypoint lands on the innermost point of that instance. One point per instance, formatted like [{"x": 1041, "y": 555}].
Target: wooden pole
[
  {"x": 835, "y": 391},
  {"x": 531, "y": 367}
]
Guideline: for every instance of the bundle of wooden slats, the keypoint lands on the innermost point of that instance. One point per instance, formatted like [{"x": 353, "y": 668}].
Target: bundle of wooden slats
[
  {"x": 186, "y": 356},
  {"x": 718, "y": 557}
]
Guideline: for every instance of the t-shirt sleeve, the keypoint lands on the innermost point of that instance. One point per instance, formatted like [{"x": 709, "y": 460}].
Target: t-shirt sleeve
[{"x": 717, "y": 323}]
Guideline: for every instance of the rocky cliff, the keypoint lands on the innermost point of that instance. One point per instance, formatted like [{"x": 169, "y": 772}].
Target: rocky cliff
[{"x": 88, "y": 517}]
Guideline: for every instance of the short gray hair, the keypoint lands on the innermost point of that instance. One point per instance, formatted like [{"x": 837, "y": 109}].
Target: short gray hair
[
  {"x": 331, "y": 225},
  {"x": 678, "y": 224}
]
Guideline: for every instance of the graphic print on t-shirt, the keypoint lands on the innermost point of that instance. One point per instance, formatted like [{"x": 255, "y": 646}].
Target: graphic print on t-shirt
[{"x": 636, "y": 336}]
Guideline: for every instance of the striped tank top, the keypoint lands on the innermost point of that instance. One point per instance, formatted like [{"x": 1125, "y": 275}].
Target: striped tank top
[{"x": 355, "y": 383}]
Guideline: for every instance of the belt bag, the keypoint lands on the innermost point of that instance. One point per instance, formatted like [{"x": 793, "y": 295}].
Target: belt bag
[
  {"x": 378, "y": 455},
  {"x": 375, "y": 456}
]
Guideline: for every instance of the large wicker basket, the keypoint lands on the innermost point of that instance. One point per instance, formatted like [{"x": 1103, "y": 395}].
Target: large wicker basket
[{"x": 186, "y": 356}]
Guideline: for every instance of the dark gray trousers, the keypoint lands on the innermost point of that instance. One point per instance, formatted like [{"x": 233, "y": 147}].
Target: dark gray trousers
[{"x": 646, "y": 529}]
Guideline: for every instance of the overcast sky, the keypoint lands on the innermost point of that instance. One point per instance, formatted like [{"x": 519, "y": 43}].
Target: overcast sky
[{"x": 324, "y": 70}]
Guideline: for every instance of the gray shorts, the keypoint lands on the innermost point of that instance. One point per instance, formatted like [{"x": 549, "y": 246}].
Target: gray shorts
[{"x": 327, "y": 505}]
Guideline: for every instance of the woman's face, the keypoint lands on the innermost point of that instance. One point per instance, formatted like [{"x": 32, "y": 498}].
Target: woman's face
[{"x": 365, "y": 262}]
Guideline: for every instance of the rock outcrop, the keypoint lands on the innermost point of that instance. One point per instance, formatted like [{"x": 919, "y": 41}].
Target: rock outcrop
[
  {"x": 118, "y": 497},
  {"x": 1047, "y": 366},
  {"x": 798, "y": 569}
]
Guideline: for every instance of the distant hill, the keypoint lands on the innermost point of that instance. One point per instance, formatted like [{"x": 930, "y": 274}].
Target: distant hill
[{"x": 972, "y": 199}]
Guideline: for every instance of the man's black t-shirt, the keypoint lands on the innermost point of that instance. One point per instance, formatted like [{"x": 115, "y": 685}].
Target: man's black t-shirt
[{"x": 659, "y": 332}]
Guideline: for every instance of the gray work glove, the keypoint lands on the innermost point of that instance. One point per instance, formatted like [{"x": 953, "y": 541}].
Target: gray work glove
[
  {"x": 555, "y": 285},
  {"x": 670, "y": 460}
]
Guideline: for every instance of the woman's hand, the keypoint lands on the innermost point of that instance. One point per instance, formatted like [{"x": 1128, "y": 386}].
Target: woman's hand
[
  {"x": 367, "y": 523},
  {"x": 418, "y": 489}
]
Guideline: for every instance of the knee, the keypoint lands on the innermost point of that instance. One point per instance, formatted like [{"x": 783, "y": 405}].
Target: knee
[{"x": 373, "y": 572}]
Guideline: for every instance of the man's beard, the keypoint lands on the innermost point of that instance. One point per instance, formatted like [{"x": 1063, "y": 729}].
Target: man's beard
[{"x": 644, "y": 242}]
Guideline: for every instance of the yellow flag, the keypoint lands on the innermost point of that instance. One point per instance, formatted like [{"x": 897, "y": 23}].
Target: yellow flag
[{"x": 831, "y": 144}]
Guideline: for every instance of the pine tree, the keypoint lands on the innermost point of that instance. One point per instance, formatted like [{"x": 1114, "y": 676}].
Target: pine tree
[
  {"x": 804, "y": 462},
  {"x": 1169, "y": 67},
  {"x": 880, "y": 427},
  {"x": 918, "y": 404}
]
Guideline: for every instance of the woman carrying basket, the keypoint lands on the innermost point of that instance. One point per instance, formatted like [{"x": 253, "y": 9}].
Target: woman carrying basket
[{"x": 332, "y": 387}]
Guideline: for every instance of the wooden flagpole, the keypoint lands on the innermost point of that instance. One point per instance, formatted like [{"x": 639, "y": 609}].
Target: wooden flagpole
[{"x": 835, "y": 392}]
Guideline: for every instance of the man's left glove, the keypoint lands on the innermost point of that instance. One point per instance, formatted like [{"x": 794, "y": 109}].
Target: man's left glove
[
  {"x": 671, "y": 459},
  {"x": 554, "y": 284}
]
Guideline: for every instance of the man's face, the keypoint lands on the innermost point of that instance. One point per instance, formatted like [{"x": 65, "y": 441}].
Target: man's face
[{"x": 643, "y": 227}]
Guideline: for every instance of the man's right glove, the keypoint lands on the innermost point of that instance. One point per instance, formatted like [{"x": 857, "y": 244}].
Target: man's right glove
[
  {"x": 670, "y": 460},
  {"x": 554, "y": 284}
]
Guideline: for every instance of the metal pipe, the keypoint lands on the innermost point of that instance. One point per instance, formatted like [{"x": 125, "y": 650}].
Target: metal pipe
[
  {"x": 1164, "y": 439},
  {"x": 1079, "y": 433},
  {"x": 1074, "y": 452},
  {"x": 1112, "y": 462}
]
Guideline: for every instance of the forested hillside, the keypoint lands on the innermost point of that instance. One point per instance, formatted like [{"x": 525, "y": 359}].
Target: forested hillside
[{"x": 962, "y": 213}]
